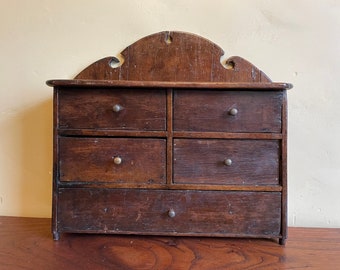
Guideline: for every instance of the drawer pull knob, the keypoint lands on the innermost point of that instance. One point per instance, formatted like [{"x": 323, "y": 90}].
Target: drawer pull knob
[
  {"x": 117, "y": 160},
  {"x": 233, "y": 111},
  {"x": 228, "y": 162},
  {"x": 117, "y": 108},
  {"x": 171, "y": 213}
]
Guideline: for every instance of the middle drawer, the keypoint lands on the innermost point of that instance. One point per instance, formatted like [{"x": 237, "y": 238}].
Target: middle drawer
[
  {"x": 114, "y": 160},
  {"x": 226, "y": 162}
]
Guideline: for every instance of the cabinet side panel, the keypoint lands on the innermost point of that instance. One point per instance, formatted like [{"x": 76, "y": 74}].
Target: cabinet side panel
[
  {"x": 55, "y": 166},
  {"x": 284, "y": 180}
]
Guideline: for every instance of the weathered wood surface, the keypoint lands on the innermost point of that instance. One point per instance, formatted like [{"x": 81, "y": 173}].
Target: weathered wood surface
[
  {"x": 166, "y": 85},
  {"x": 211, "y": 111},
  {"x": 176, "y": 60},
  {"x": 97, "y": 109},
  {"x": 228, "y": 162},
  {"x": 174, "y": 56},
  {"x": 133, "y": 211},
  {"x": 26, "y": 243},
  {"x": 84, "y": 159}
]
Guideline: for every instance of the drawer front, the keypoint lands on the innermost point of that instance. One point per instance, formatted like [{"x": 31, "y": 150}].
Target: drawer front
[
  {"x": 124, "y": 109},
  {"x": 228, "y": 111},
  {"x": 115, "y": 160},
  {"x": 226, "y": 162},
  {"x": 161, "y": 211}
]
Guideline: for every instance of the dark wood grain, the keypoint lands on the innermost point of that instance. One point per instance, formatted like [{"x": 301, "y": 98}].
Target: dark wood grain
[
  {"x": 253, "y": 162},
  {"x": 147, "y": 134},
  {"x": 26, "y": 244},
  {"x": 227, "y": 135},
  {"x": 169, "y": 160},
  {"x": 257, "y": 111},
  {"x": 93, "y": 108},
  {"x": 92, "y": 160},
  {"x": 208, "y": 213},
  {"x": 283, "y": 172},
  {"x": 173, "y": 186},
  {"x": 240, "y": 86},
  {"x": 174, "y": 56}
]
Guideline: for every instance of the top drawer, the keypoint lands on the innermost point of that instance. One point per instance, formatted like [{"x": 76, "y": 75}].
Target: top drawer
[
  {"x": 228, "y": 111},
  {"x": 120, "y": 109}
]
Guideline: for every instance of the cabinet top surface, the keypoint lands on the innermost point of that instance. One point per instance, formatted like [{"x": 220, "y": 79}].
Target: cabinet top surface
[
  {"x": 166, "y": 84},
  {"x": 172, "y": 60}
]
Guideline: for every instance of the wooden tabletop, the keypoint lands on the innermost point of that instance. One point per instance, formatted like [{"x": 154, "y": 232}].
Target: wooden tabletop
[{"x": 26, "y": 243}]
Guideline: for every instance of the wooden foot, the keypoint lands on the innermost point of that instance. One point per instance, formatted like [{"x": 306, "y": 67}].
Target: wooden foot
[
  {"x": 282, "y": 241},
  {"x": 56, "y": 236}
]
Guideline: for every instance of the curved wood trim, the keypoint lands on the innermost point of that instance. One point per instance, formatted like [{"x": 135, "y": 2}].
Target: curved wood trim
[{"x": 173, "y": 56}]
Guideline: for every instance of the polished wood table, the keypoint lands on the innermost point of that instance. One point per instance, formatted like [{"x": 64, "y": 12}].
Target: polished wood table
[{"x": 27, "y": 243}]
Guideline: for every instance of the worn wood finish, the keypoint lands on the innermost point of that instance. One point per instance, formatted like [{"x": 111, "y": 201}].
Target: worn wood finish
[
  {"x": 209, "y": 213},
  {"x": 95, "y": 109},
  {"x": 26, "y": 244},
  {"x": 240, "y": 86},
  {"x": 257, "y": 111},
  {"x": 93, "y": 160},
  {"x": 173, "y": 56},
  {"x": 172, "y": 186},
  {"x": 170, "y": 140},
  {"x": 227, "y": 135},
  {"x": 251, "y": 162},
  {"x": 283, "y": 172}
]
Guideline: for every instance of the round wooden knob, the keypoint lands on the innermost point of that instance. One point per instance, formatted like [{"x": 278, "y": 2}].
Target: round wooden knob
[
  {"x": 117, "y": 108},
  {"x": 171, "y": 213},
  {"x": 228, "y": 162},
  {"x": 233, "y": 111},
  {"x": 117, "y": 160}
]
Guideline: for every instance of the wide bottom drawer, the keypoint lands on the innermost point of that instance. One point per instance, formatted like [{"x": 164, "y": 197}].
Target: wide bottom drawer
[{"x": 172, "y": 212}]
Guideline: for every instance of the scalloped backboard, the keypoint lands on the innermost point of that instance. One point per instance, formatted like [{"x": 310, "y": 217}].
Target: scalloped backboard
[{"x": 176, "y": 57}]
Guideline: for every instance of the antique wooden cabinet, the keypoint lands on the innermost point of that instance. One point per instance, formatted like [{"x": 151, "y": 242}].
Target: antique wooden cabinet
[{"x": 170, "y": 139}]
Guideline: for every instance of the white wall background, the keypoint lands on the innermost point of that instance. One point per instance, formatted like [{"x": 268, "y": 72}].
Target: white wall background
[{"x": 295, "y": 41}]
